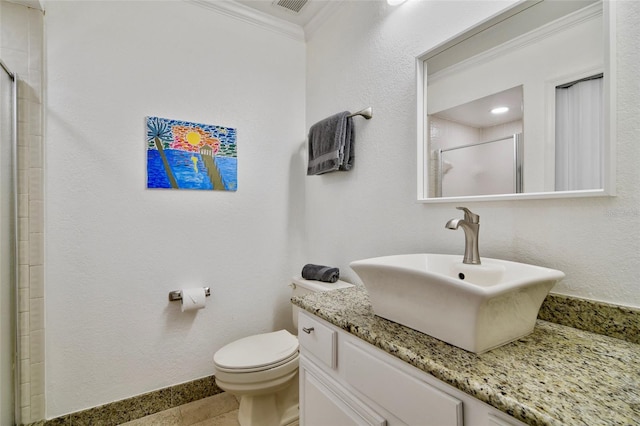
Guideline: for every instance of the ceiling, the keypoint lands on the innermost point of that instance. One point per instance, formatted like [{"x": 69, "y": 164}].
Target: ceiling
[
  {"x": 478, "y": 113},
  {"x": 308, "y": 11}
]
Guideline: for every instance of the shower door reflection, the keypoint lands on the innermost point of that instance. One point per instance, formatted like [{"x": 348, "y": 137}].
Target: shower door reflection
[{"x": 485, "y": 168}]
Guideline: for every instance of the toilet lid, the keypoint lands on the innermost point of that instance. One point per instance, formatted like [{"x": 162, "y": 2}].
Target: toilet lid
[{"x": 257, "y": 351}]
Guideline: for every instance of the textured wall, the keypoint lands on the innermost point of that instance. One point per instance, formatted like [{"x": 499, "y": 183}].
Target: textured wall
[
  {"x": 115, "y": 249},
  {"x": 365, "y": 56}
]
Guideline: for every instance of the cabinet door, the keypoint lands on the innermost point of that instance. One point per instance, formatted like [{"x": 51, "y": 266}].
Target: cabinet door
[
  {"x": 411, "y": 400},
  {"x": 323, "y": 404}
]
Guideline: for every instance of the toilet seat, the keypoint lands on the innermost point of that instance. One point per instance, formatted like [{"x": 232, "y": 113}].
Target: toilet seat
[
  {"x": 293, "y": 357},
  {"x": 257, "y": 353}
]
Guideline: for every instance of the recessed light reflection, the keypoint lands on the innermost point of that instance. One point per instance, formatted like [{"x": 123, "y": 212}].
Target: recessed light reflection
[{"x": 499, "y": 110}]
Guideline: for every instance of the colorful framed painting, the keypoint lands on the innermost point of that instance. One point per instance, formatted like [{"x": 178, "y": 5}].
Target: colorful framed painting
[{"x": 185, "y": 155}]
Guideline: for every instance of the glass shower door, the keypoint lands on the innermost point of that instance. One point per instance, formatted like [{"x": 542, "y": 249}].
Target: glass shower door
[
  {"x": 8, "y": 261},
  {"x": 483, "y": 168}
]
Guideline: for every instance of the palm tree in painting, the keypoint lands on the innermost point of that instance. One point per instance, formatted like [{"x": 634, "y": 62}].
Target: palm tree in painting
[{"x": 158, "y": 134}]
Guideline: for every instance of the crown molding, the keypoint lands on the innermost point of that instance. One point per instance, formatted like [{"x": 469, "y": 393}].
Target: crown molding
[
  {"x": 321, "y": 17},
  {"x": 33, "y": 4},
  {"x": 244, "y": 13}
]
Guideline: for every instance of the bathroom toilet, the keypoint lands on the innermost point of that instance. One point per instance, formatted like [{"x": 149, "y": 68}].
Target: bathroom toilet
[{"x": 262, "y": 370}]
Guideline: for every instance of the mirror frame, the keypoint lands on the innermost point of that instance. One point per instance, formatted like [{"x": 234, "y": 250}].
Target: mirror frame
[{"x": 609, "y": 48}]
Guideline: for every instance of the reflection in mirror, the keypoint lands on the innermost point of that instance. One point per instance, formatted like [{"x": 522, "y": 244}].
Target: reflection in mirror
[
  {"x": 547, "y": 63},
  {"x": 478, "y": 146},
  {"x": 579, "y": 134}
]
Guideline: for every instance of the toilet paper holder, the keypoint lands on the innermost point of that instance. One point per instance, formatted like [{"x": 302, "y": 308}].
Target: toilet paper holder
[{"x": 175, "y": 295}]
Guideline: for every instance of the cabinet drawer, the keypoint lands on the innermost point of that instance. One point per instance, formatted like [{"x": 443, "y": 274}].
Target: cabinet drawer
[
  {"x": 318, "y": 339},
  {"x": 411, "y": 400}
]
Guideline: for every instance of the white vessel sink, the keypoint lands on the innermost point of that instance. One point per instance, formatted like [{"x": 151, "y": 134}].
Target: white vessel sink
[{"x": 474, "y": 307}]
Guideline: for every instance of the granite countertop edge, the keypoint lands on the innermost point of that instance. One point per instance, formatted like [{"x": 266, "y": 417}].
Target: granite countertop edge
[
  {"x": 448, "y": 375},
  {"x": 476, "y": 389},
  {"x": 350, "y": 310}
]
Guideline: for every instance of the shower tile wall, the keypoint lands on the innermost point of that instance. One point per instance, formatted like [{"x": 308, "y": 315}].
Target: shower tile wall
[{"x": 21, "y": 49}]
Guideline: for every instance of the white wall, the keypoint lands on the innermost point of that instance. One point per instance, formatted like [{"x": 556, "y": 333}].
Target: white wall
[
  {"x": 114, "y": 249},
  {"x": 365, "y": 56}
]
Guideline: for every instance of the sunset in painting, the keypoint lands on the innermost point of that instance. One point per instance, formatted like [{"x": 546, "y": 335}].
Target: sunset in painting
[{"x": 184, "y": 155}]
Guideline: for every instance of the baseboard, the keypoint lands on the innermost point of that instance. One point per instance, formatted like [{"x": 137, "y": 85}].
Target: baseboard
[{"x": 139, "y": 406}]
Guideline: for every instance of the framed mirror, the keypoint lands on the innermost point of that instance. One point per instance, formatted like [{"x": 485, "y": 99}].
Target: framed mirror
[{"x": 521, "y": 105}]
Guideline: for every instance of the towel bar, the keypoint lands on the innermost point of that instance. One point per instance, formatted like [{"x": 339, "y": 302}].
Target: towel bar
[
  {"x": 366, "y": 113},
  {"x": 175, "y": 295}
]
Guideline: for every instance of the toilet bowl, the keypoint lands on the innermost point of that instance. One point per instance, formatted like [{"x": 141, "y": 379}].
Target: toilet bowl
[{"x": 262, "y": 370}]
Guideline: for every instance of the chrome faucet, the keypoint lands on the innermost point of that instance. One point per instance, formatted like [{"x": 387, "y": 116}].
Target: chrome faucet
[{"x": 471, "y": 226}]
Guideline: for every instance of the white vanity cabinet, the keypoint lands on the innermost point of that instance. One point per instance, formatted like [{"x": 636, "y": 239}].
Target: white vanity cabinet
[{"x": 346, "y": 381}]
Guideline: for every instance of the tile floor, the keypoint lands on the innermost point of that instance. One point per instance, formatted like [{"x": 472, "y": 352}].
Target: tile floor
[{"x": 216, "y": 410}]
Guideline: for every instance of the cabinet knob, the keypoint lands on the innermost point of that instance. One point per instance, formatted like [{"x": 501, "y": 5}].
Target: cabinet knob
[{"x": 307, "y": 330}]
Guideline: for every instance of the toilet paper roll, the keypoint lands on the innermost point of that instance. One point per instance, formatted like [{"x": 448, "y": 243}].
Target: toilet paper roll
[{"x": 193, "y": 298}]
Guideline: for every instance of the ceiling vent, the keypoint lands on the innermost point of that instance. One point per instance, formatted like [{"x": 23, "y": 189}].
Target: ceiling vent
[{"x": 291, "y": 5}]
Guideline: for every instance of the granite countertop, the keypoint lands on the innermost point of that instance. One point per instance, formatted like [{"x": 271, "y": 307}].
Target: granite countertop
[{"x": 557, "y": 375}]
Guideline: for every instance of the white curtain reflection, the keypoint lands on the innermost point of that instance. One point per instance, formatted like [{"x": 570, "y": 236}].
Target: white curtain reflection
[{"x": 580, "y": 135}]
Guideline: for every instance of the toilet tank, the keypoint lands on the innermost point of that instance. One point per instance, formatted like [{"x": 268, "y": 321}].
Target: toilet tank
[{"x": 300, "y": 287}]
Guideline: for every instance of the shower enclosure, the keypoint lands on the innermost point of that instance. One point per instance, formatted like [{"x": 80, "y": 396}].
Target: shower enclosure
[
  {"x": 483, "y": 168},
  {"x": 8, "y": 246}
]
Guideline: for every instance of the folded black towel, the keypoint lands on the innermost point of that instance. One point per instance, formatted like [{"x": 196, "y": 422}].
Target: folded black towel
[
  {"x": 331, "y": 144},
  {"x": 320, "y": 273}
]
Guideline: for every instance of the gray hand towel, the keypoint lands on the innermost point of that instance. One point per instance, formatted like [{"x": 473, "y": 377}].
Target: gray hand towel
[
  {"x": 320, "y": 273},
  {"x": 331, "y": 144}
]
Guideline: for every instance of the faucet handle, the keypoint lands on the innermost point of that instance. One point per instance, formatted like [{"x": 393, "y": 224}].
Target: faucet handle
[{"x": 469, "y": 216}]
